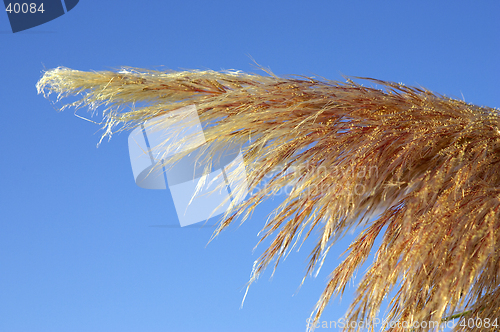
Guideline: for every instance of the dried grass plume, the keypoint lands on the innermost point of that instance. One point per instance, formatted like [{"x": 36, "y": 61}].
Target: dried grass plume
[{"x": 433, "y": 196}]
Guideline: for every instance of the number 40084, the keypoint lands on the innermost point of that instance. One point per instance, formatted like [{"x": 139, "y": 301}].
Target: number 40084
[{"x": 24, "y": 8}]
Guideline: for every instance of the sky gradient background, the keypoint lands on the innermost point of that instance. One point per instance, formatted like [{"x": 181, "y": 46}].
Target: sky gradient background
[{"x": 77, "y": 248}]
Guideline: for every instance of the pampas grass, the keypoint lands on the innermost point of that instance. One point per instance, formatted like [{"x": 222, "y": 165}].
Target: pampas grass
[{"x": 418, "y": 170}]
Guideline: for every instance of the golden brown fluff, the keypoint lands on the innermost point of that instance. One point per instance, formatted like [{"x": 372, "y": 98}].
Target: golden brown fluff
[{"x": 419, "y": 170}]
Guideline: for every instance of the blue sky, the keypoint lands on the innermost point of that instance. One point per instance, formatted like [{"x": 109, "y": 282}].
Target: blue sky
[{"x": 77, "y": 250}]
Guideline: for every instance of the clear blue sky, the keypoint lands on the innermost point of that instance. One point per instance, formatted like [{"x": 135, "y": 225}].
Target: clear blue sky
[{"x": 77, "y": 250}]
